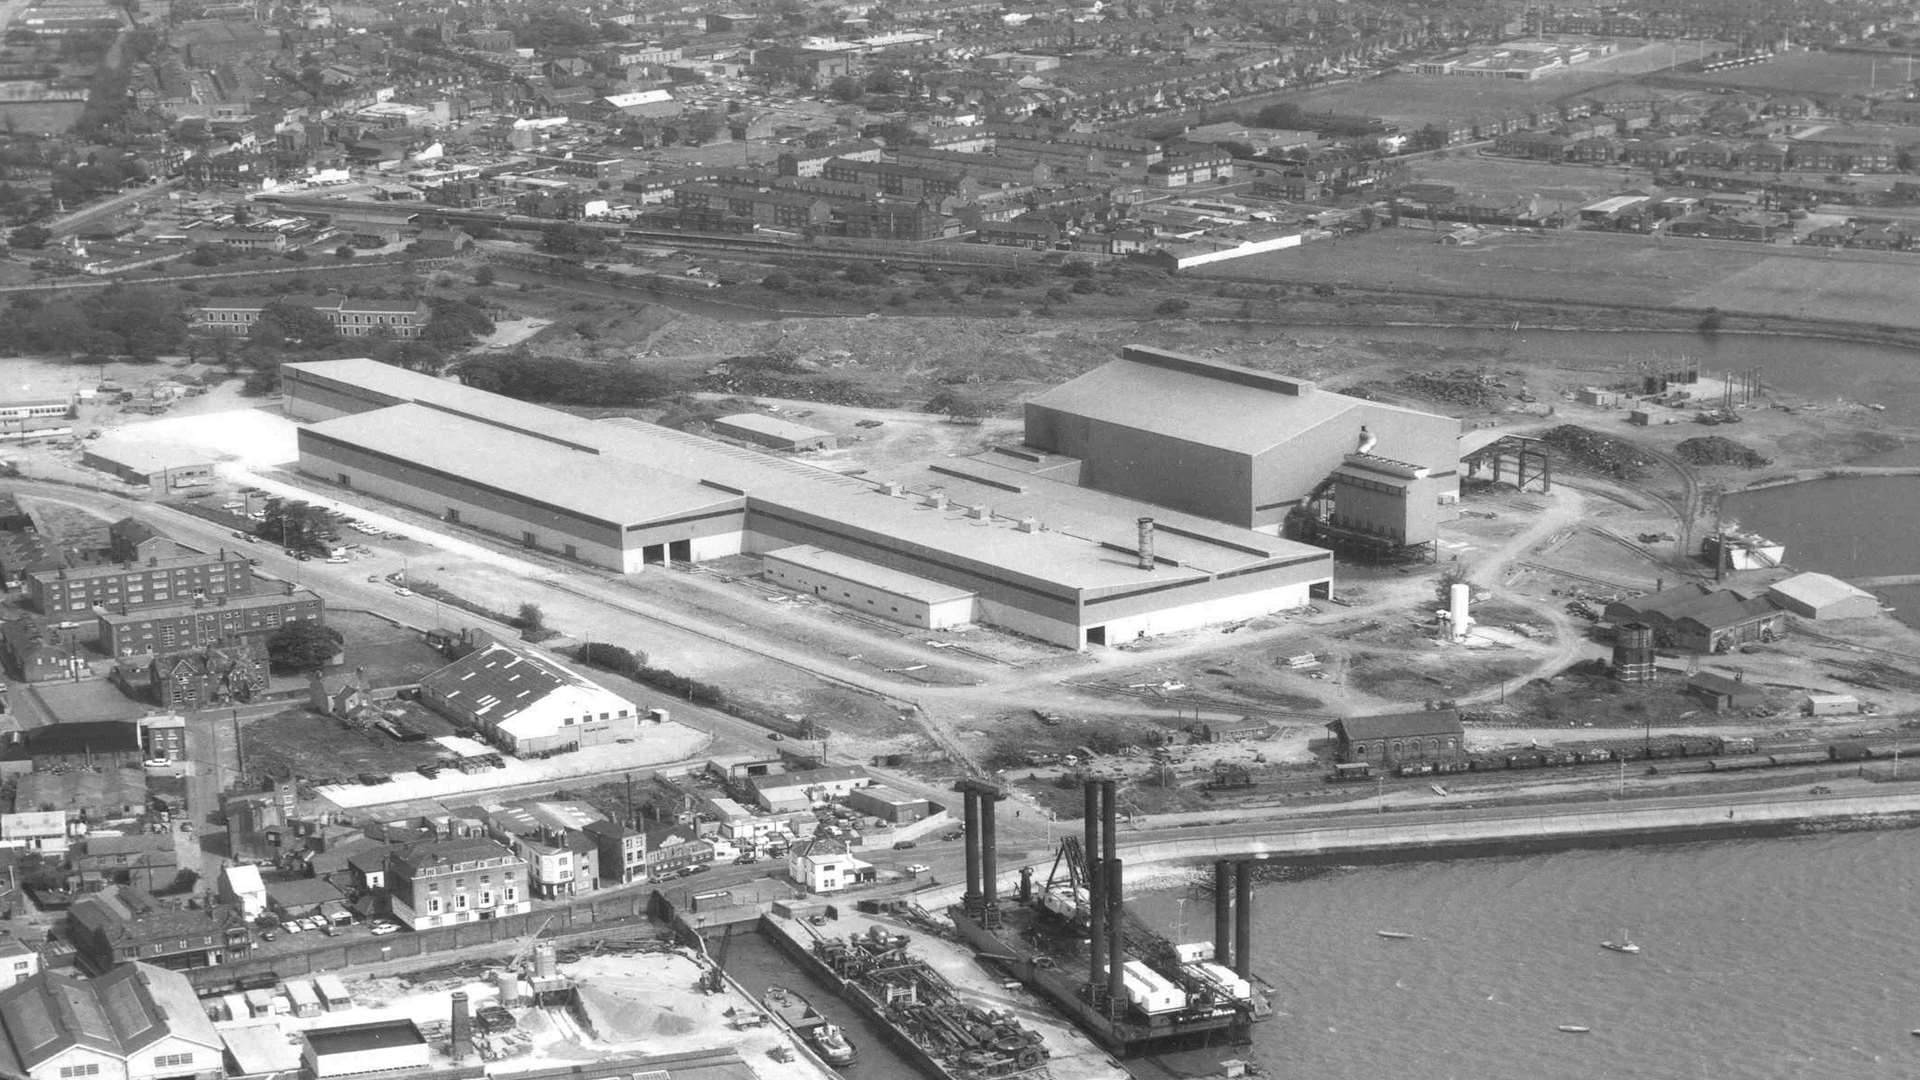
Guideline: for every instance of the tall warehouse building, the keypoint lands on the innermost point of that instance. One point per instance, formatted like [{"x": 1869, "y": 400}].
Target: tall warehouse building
[
  {"x": 1221, "y": 441},
  {"x": 1031, "y": 553}
]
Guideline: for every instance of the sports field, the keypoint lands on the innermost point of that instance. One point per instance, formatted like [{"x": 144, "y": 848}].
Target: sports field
[
  {"x": 1830, "y": 73},
  {"x": 1504, "y": 177}
]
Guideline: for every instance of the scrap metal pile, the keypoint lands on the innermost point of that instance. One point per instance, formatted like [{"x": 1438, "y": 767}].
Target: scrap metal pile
[{"x": 970, "y": 1042}]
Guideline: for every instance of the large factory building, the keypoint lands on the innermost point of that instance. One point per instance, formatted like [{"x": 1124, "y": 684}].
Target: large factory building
[
  {"x": 1225, "y": 442},
  {"x": 1018, "y": 549}
]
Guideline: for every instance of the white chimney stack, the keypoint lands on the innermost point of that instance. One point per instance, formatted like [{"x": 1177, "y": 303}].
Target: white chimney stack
[{"x": 1367, "y": 441}]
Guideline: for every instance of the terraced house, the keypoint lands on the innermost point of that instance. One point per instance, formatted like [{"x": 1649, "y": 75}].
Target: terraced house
[{"x": 350, "y": 317}]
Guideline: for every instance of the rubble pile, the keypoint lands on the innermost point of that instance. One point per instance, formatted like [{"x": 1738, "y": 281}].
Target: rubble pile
[
  {"x": 1594, "y": 452},
  {"x": 1714, "y": 450}
]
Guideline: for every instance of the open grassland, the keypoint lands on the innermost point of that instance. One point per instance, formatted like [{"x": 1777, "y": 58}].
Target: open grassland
[
  {"x": 1867, "y": 288},
  {"x": 1588, "y": 267},
  {"x": 1870, "y": 291},
  {"x": 1829, "y": 73},
  {"x": 1503, "y": 177},
  {"x": 1414, "y": 100}
]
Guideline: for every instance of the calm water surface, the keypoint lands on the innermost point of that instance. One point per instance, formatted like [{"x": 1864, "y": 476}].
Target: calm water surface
[{"x": 1764, "y": 960}]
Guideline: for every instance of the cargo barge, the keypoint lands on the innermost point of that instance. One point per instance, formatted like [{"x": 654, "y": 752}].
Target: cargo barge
[
  {"x": 915, "y": 1007},
  {"x": 1073, "y": 942}
]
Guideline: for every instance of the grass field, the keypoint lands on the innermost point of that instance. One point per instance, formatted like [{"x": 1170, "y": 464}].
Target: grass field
[
  {"x": 1413, "y": 100},
  {"x": 322, "y": 750},
  {"x": 1829, "y": 73},
  {"x": 1499, "y": 177}
]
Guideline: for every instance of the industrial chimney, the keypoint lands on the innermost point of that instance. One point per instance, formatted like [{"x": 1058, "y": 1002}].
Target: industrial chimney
[
  {"x": 1367, "y": 441},
  {"x": 1146, "y": 543},
  {"x": 460, "y": 1043}
]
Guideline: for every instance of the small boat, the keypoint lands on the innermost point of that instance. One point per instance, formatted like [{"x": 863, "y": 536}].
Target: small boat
[
  {"x": 1575, "y": 1029},
  {"x": 1397, "y": 935},
  {"x": 832, "y": 1044},
  {"x": 1876, "y": 406},
  {"x": 825, "y": 1037},
  {"x": 1624, "y": 945}
]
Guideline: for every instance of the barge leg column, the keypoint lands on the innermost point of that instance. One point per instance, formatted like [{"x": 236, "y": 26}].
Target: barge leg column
[
  {"x": 1222, "y": 911},
  {"x": 1096, "y": 897},
  {"x": 971, "y": 901},
  {"x": 989, "y": 864},
  {"x": 1243, "y": 919},
  {"x": 1110, "y": 863}
]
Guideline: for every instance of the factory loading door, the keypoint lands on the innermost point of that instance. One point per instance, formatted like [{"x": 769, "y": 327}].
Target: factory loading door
[
  {"x": 1096, "y": 635},
  {"x": 654, "y": 554},
  {"x": 680, "y": 550}
]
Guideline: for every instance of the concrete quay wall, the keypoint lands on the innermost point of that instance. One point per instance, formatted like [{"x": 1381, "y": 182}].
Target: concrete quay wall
[{"x": 1441, "y": 835}]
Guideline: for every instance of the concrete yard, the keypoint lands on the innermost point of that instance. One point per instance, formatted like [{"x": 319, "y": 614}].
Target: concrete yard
[{"x": 634, "y": 1005}]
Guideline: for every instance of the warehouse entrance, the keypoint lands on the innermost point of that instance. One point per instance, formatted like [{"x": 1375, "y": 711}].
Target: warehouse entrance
[
  {"x": 654, "y": 555},
  {"x": 680, "y": 550},
  {"x": 1096, "y": 635}
]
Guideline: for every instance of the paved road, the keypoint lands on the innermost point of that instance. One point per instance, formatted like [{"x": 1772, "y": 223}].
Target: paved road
[{"x": 68, "y": 224}]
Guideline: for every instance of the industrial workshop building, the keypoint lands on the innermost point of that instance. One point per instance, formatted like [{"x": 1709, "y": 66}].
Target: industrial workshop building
[
  {"x": 1226, "y": 442},
  {"x": 1035, "y": 554}
]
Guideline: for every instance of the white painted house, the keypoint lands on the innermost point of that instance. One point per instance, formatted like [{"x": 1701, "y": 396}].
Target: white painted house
[{"x": 824, "y": 866}]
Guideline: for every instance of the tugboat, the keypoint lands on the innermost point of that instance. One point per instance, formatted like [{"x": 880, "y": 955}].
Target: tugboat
[
  {"x": 825, "y": 1037},
  {"x": 832, "y": 1044}
]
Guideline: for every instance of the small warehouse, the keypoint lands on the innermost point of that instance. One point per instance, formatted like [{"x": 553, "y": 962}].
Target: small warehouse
[
  {"x": 866, "y": 587},
  {"x": 160, "y": 466},
  {"x": 1822, "y": 596},
  {"x": 773, "y": 432},
  {"x": 1245, "y": 729},
  {"x": 889, "y": 804},
  {"x": 1396, "y": 737},
  {"x": 1723, "y": 694},
  {"x": 388, "y": 1046},
  {"x": 1832, "y": 705}
]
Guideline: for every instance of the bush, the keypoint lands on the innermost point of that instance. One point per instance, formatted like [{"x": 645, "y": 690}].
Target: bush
[
  {"x": 1172, "y": 305},
  {"x": 606, "y": 657}
]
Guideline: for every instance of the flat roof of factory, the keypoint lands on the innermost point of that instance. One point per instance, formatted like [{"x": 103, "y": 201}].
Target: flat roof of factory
[{"x": 1204, "y": 402}]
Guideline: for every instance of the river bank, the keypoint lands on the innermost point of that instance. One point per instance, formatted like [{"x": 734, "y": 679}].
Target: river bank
[{"x": 1440, "y": 835}]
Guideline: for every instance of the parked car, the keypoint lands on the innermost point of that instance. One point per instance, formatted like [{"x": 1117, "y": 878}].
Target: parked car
[
  {"x": 337, "y": 559},
  {"x": 403, "y": 591},
  {"x": 292, "y": 927},
  {"x": 159, "y": 763},
  {"x": 904, "y": 845},
  {"x": 382, "y": 927},
  {"x": 918, "y": 868}
]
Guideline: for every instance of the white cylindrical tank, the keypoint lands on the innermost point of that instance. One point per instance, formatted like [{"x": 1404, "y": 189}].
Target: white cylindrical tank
[
  {"x": 509, "y": 986},
  {"x": 546, "y": 965},
  {"x": 1457, "y": 618}
]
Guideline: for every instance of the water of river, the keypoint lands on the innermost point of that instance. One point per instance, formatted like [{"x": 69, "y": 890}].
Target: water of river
[
  {"x": 1764, "y": 960},
  {"x": 1811, "y": 368},
  {"x": 756, "y": 964}
]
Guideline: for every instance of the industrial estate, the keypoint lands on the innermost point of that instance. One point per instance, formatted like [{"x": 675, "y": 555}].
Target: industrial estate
[{"x": 801, "y": 542}]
